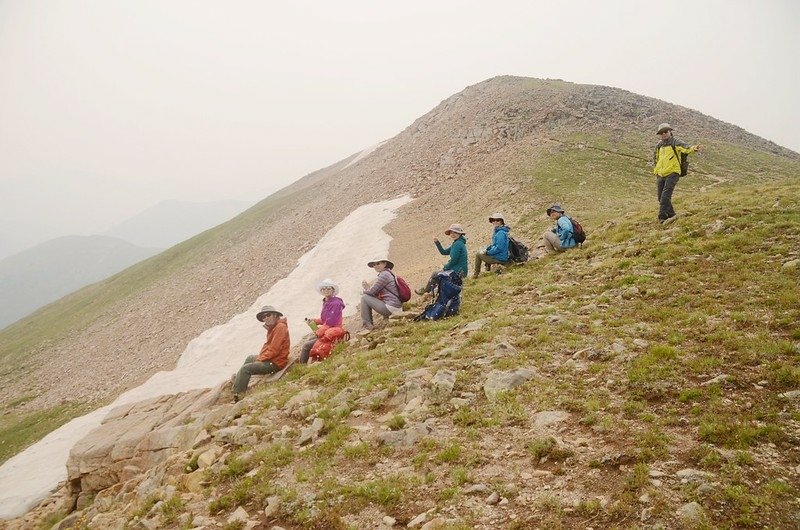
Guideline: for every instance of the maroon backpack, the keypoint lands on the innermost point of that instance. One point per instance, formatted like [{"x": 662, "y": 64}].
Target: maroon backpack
[{"x": 403, "y": 290}]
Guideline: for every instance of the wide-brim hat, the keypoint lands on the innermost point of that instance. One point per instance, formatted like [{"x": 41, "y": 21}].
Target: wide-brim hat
[
  {"x": 454, "y": 228},
  {"x": 497, "y": 215},
  {"x": 267, "y": 309},
  {"x": 555, "y": 208},
  {"x": 327, "y": 282},
  {"x": 376, "y": 261},
  {"x": 663, "y": 128}
]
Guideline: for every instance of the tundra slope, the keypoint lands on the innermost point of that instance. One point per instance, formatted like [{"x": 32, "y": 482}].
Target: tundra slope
[
  {"x": 647, "y": 380},
  {"x": 482, "y": 149}
]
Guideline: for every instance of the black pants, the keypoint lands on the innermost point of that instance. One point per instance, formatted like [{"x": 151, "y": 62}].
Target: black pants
[
  {"x": 306, "y": 351},
  {"x": 435, "y": 278},
  {"x": 664, "y": 188}
]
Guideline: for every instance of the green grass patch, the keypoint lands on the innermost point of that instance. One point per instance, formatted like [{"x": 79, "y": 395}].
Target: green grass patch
[
  {"x": 737, "y": 433},
  {"x": 17, "y": 431}
]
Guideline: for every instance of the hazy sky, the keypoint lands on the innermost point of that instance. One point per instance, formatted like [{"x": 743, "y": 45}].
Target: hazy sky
[{"x": 107, "y": 107}]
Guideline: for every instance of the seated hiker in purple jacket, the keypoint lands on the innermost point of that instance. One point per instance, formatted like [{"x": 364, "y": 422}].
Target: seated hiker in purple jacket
[{"x": 331, "y": 315}]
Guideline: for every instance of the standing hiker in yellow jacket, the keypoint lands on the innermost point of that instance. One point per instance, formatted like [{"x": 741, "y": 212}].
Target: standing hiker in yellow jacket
[{"x": 667, "y": 159}]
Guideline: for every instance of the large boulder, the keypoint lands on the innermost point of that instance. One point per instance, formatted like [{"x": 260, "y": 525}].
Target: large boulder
[{"x": 140, "y": 436}]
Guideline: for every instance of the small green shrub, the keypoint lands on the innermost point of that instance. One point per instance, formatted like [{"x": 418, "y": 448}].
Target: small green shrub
[
  {"x": 397, "y": 422},
  {"x": 449, "y": 454}
]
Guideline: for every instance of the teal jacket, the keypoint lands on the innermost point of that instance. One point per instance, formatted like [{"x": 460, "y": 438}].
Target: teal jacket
[
  {"x": 499, "y": 247},
  {"x": 458, "y": 256}
]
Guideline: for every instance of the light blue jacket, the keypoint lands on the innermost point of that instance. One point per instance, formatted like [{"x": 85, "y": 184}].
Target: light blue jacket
[
  {"x": 563, "y": 230},
  {"x": 499, "y": 247}
]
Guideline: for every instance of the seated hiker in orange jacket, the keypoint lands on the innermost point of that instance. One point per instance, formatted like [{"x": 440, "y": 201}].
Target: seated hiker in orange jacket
[{"x": 274, "y": 354}]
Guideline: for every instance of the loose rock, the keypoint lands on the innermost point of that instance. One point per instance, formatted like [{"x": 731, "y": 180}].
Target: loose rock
[
  {"x": 418, "y": 520},
  {"x": 497, "y": 381},
  {"x": 691, "y": 511},
  {"x": 549, "y": 418},
  {"x": 273, "y": 504}
]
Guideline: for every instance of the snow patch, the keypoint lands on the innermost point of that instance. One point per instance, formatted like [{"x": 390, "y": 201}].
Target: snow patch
[
  {"x": 363, "y": 154},
  {"x": 342, "y": 254}
]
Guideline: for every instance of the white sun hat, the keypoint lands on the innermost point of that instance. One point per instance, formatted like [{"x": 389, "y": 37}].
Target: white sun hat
[{"x": 327, "y": 282}]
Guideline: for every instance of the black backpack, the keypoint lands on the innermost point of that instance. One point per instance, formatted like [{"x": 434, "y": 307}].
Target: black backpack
[
  {"x": 578, "y": 233},
  {"x": 517, "y": 252},
  {"x": 684, "y": 159}
]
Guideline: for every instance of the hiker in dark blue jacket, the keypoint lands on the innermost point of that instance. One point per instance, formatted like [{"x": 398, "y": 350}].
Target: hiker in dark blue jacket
[
  {"x": 459, "y": 258},
  {"x": 497, "y": 252}
]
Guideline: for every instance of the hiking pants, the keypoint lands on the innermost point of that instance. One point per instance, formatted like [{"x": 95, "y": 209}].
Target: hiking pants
[
  {"x": 306, "y": 351},
  {"x": 552, "y": 243},
  {"x": 664, "y": 188},
  {"x": 481, "y": 257},
  {"x": 368, "y": 303},
  {"x": 434, "y": 280},
  {"x": 251, "y": 367}
]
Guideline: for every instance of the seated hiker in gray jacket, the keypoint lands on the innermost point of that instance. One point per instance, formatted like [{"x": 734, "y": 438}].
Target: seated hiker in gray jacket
[{"x": 383, "y": 295}]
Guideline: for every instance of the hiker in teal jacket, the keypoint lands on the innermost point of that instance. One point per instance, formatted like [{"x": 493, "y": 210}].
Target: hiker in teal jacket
[
  {"x": 497, "y": 252},
  {"x": 458, "y": 257}
]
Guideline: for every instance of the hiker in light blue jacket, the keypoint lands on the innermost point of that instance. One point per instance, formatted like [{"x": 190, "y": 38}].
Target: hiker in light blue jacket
[
  {"x": 497, "y": 252},
  {"x": 458, "y": 262},
  {"x": 560, "y": 237}
]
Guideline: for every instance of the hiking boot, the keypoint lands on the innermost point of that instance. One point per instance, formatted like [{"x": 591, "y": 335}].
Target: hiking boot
[
  {"x": 669, "y": 220},
  {"x": 237, "y": 398},
  {"x": 500, "y": 269},
  {"x": 420, "y": 291}
]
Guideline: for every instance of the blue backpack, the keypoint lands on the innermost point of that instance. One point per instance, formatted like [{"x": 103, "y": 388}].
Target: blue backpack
[{"x": 448, "y": 297}]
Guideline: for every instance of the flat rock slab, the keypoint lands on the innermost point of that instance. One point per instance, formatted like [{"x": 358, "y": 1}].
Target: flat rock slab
[
  {"x": 498, "y": 381},
  {"x": 140, "y": 435},
  {"x": 548, "y": 418}
]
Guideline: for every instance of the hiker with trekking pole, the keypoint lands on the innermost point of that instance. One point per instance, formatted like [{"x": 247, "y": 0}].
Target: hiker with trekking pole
[{"x": 670, "y": 163}]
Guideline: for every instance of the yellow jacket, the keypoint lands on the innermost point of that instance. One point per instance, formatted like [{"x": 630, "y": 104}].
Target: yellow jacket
[{"x": 666, "y": 163}]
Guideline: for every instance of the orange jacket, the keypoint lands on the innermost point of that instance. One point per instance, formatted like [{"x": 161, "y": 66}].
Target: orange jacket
[{"x": 276, "y": 349}]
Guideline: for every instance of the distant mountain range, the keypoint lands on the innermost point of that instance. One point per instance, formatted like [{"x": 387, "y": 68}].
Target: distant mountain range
[
  {"x": 50, "y": 270},
  {"x": 170, "y": 222}
]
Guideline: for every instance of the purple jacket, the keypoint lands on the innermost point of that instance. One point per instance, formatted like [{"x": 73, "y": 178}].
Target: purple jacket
[{"x": 331, "y": 312}]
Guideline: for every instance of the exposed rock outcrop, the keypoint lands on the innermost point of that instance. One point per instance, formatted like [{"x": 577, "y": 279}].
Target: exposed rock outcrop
[{"x": 134, "y": 438}]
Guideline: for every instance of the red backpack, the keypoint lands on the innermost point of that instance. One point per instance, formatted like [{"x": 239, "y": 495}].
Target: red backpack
[
  {"x": 327, "y": 339},
  {"x": 403, "y": 290}
]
